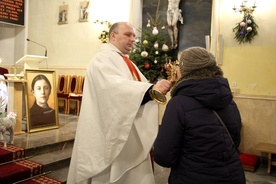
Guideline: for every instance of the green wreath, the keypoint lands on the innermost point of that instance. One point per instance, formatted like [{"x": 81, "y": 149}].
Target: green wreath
[{"x": 246, "y": 30}]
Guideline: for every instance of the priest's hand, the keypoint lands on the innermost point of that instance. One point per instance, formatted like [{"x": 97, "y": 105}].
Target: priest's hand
[{"x": 163, "y": 86}]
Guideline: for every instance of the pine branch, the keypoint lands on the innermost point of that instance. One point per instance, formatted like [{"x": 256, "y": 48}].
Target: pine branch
[{"x": 246, "y": 30}]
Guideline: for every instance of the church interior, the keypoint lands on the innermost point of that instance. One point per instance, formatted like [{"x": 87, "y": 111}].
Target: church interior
[{"x": 59, "y": 38}]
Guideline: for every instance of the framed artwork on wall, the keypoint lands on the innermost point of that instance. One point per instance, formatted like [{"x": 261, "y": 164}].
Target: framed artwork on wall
[
  {"x": 84, "y": 11},
  {"x": 63, "y": 14},
  {"x": 41, "y": 100}
]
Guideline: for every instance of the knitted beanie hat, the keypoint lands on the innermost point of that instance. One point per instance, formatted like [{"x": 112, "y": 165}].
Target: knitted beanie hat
[
  {"x": 197, "y": 63},
  {"x": 195, "y": 58}
]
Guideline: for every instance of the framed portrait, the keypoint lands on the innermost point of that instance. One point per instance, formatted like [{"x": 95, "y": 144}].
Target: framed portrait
[{"x": 41, "y": 100}]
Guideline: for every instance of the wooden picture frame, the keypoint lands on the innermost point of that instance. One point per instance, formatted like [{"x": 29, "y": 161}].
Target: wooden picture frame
[{"x": 41, "y": 100}]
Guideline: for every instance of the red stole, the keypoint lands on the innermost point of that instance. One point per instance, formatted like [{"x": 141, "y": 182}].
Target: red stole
[{"x": 132, "y": 69}]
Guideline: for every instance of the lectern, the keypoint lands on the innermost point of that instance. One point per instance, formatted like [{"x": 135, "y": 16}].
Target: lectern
[
  {"x": 31, "y": 61},
  {"x": 15, "y": 88}
]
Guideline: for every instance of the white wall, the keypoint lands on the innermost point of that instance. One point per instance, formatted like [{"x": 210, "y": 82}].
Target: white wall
[
  {"x": 12, "y": 45},
  {"x": 72, "y": 44},
  {"x": 69, "y": 45},
  {"x": 249, "y": 67},
  {"x": 7, "y": 33},
  {"x": 263, "y": 16}
]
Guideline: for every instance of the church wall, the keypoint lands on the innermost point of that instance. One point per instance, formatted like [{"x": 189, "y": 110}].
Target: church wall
[
  {"x": 249, "y": 65},
  {"x": 249, "y": 68},
  {"x": 258, "y": 121}
]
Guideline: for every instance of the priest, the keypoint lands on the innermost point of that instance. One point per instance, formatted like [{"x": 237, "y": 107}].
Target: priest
[{"x": 118, "y": 119}]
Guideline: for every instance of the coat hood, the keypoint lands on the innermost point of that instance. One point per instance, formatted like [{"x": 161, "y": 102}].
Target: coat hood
[{"x": 213, "y": 93}]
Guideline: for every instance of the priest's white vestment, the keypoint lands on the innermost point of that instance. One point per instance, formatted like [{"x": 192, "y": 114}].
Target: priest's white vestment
[{"x": 115, "y": 133}]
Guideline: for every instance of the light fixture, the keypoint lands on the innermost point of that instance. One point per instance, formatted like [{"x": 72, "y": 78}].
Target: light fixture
[{"x": 244, "y": 8}]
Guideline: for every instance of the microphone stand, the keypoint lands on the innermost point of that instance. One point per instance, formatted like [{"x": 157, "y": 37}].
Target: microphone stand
[
  {"x": 38, "y": 44},
  {"x": 41, "y": 46}
]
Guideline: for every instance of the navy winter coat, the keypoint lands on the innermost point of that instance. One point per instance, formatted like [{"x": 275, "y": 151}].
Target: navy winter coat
[{"x": 192, "y": 141}]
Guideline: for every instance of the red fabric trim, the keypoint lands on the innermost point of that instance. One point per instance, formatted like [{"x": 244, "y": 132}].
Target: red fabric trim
[
  {"x": 10, "y": 153},
  {"x": 42, "y": 179},
  {"x": 132, "y": 69},
  {"x": 19, "y": 170}
]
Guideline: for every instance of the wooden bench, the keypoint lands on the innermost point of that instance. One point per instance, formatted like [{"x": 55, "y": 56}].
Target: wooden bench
[{"x": 270, "y": 149}]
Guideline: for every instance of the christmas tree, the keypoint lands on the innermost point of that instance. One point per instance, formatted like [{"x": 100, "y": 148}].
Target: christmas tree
[{"x": 151, "y": 52}]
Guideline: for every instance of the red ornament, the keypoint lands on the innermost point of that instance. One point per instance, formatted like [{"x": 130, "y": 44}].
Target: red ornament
[{"x": 147, "y": 66}]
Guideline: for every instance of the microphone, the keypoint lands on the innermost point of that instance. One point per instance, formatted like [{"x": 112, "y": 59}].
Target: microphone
[{"x": 38, "y": 44}]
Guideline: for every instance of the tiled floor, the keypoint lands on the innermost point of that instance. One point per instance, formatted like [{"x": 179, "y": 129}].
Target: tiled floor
[
  {"x": 67, "y": 129},
  {"x": 258, "y": 177}
]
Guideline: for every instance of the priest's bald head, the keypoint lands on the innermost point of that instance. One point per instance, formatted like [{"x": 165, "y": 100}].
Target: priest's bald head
[{"x": 122, "y": 35}]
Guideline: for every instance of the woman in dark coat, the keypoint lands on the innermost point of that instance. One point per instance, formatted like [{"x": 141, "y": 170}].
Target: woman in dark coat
[{"x": 192, "y": 141}]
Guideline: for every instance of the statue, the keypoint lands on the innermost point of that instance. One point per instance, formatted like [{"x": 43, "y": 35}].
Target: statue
[
  {"x": 174, "y": 14},
  {"x": 3, "y": 96},
  {"x": 63, "y": 16},
  {"x": 7, "y": 124}
]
